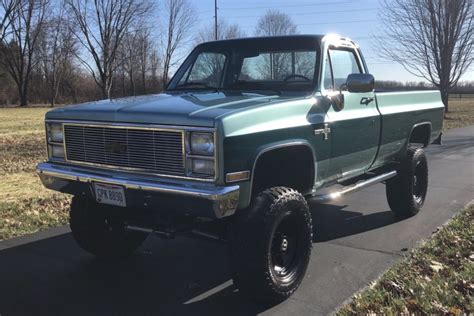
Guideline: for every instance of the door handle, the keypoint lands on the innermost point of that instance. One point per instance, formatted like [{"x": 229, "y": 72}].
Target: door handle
[{"x": 366, "y": 100}]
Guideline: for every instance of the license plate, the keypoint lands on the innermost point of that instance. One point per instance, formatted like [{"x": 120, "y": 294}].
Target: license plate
[{"x": 110, "y": 194}]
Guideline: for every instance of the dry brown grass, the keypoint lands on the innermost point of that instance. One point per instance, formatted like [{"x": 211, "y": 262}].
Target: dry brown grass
[
  {"x": 461, "y": 113},
  {"x": 25, "y": 205},
  {"x": 21, "y": 152},
  {"x": 17, "y": 121},
  {"x": 19, "y": 185}
]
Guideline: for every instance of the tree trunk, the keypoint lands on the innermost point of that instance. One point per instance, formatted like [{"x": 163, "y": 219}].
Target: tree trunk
[
  {"x": 103, "y": 89},
  {"x": 165, "y": 74},
  {"x": 445, "y": 99},
  {"x": 52, "y": 96},
  {"x": 23, "y": 95},
  {"x": 132, "y": 83},
  {"x": 109, "y": 89}
]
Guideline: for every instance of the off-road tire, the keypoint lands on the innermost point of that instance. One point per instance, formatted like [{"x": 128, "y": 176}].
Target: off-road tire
[
  {"x": 277, "y": 216},
  {"x": 100, "y": 234},
  {"x": 406, "y": 193}
]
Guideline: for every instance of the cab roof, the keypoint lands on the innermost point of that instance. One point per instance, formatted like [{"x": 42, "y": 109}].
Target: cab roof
[
  {"x": 288, "y": 39},
  {"x": 313, "y": 40}
]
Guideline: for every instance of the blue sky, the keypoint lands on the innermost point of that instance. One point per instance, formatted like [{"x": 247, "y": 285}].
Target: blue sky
[{"x": 356, "y": 19}]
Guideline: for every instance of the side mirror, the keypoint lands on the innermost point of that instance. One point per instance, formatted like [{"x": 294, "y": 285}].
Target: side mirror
[
  {"x": 360, "y": 83},
  {"x": 338, "y": 102}
]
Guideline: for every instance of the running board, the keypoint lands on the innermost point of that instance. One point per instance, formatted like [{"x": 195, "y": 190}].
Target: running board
[{"x": 353, "y": 188}]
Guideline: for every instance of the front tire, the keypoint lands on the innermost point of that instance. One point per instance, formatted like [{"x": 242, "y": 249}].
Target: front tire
[
  {"x": 100, "y": 234},
  {"x": 271, "y": 245},
  {"x": 406, "y": 192}
]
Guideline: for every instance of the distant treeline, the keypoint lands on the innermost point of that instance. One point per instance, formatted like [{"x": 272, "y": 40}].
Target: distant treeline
[{"x": 464, "y": 87}]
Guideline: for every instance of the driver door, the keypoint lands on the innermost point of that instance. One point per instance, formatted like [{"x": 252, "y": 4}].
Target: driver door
[{"x": 355, "y": 129}]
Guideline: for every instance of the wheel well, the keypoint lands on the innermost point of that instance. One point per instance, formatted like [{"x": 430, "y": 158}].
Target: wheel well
[
  {"x": 291, "y": 167},
  {"x": 421, "y": 134}
]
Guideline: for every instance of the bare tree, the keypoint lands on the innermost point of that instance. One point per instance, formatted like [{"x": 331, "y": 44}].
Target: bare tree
[
  {"x": 225, "y": 31},
  {"x": 59, "y": 46},
  {"x": 128, "y": 61},
  {"x": 180, "y": 17},
  {"x": 25, "y": 24},
  {"x": 275, "y": 23},
  {"x": 134, "y": 61},
  {"x": 143, "y": 46},
  {"x": 102, "y": 25},
  {"x": 432, "y": 39},
  {"x": 154, "y": 69},
  {"x": 7, "y": 7}
]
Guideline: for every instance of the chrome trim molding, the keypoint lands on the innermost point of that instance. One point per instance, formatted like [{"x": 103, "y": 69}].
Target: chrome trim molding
[
  {"x": 353, "y": 188},
  {"x": 133, "y": 125},
  {"x": 225, "y": 199}
]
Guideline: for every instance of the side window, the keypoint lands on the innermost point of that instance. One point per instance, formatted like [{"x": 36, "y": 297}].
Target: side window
[
  {"x": 328, "y": 82},
  {"x": 344, "y": 63}
]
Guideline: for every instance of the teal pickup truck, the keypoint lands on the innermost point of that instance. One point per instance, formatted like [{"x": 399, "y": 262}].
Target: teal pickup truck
[{"x": 246, "y": 131}]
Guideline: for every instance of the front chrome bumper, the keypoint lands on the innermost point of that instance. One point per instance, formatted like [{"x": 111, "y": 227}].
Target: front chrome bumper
[{"x": 224, "y": 200}]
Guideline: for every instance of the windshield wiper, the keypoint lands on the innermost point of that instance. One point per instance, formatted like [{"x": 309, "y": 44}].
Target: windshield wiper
[{"x": 195, "y": 83}]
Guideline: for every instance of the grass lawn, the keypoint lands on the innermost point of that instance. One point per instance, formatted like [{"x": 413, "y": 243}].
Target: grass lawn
[
  {"x": 25, "y": 205},
  {"x": 461, "y": 113},
  {"x": 435, "y": 279}
]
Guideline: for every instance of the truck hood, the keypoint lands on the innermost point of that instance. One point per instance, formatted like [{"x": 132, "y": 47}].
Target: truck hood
[{"x": 187, "y": 109}]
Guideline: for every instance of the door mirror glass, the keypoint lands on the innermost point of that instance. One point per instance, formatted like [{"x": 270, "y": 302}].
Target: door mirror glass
[
  {"x": 338, "y": 102},
  {"x": 359, "y": 83}
]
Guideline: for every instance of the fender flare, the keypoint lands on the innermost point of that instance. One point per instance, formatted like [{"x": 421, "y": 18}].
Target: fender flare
[
  {"x": 428, "y": 140},
  {"x": 278, "y": 145}
]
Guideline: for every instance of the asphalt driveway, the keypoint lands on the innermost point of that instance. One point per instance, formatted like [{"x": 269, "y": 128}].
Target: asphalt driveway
[{"x": 357, "y": 238}]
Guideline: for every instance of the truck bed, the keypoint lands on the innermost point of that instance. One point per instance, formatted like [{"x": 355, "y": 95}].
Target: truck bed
[{"x": 400, "y": 112}]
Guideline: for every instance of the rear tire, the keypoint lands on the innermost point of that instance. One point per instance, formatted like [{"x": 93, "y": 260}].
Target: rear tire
[
  {"x": 406, "y": 192},
  {"x": 271, "y": 245},
  {"x": 100, "y": 234}
]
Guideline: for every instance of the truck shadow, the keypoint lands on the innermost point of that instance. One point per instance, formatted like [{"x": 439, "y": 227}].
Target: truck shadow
[
  {"x": 178, "y": 277},
  {"x": 334, "y": 221}
]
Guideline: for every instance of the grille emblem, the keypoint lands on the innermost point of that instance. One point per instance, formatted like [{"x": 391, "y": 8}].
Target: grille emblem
[{"x": 116, "y": 147}]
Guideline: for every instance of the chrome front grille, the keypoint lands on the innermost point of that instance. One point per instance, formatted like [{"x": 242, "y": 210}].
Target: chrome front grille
[{"x": 149, "y": 150}]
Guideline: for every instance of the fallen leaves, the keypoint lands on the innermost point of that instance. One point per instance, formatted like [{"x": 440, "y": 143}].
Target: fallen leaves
[
  {"x": 25, "y": 205},
  {"x": 436, "y": 266}
]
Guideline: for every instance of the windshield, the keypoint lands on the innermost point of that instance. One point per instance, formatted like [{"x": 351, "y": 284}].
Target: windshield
[{"x": 241, "y": 68}]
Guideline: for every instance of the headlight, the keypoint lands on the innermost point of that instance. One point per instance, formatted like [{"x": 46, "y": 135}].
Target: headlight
[
  {"x": 202, "y": 166},
  {"x": 56, "y": 151},
  {"x": 202, "y": 143},
  {"x": 55, "y": 133},
  {"x": 55, "y": 140}
]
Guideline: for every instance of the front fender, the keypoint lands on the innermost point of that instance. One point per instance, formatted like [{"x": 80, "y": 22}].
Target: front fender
[{"x": 274, "y": 146}]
